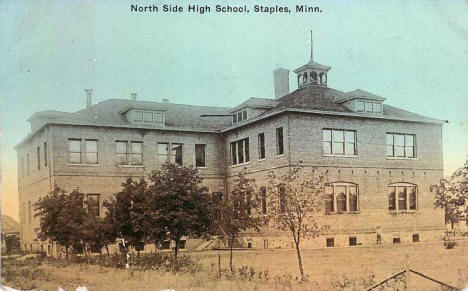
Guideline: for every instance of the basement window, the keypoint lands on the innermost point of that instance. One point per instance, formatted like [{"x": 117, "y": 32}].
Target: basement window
[
  {"x": 416, "y": 237},
  {"x": 330, "y": 242},
  {"x": 396, "y": 240},
  {"x": 352, "y": 241}
]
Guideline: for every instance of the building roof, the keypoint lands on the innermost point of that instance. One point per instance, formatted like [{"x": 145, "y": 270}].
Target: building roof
[
  {"x": 313, "y": 65},
  {"x": 181, "y": 117},
  {"x": 256, "y": 102},
  {"x": 9, "y": 225},
  {"x": 359, "y": 94}
]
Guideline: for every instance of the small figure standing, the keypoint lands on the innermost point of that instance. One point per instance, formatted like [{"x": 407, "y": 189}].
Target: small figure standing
[{"x": 379, "y": 235}]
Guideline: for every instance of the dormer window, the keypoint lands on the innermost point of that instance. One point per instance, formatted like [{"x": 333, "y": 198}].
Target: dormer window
[
  {"x": 239, "y": 116},
  {"x": 368, "y": 106},
  {"x": 147, "y": 117}
]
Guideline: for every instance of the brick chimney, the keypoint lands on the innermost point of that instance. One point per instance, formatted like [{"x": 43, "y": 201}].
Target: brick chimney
[
  {"x": 89, "y": 95},
  {"x": 281, "y": 81},
  {"x": 134, "y": 96}
]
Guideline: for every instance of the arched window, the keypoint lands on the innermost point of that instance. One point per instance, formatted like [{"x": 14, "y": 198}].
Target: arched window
[
  {"x": 314, "y": 77},
  {"x": 299, "y": 80},
  {"x": 305, "y": 77},
  {"x": 341, "y": 197},
  {"x": 402, "y": 196}
]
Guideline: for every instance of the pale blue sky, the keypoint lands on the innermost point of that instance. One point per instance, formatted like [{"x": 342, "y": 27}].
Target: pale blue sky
[{"x": 414, "y": 53}]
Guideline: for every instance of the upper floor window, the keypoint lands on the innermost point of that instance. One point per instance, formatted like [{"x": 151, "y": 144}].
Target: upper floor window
[
  {"x": 239, "y": 116},
  {"x": 74, "y": 151},
  {"x": 200, "y": 152},
  {"x": 339, "y": 142},
  {"x": 27, "y": 164},
  {"x": 401, "y": 145},
  {"x": 22, "y": 167},
  {"x": 129, "y": 153},
  {"x": 402, "y": 196},
  {"x": 261, "y": 146},
  {"x": 147, "y": 117},
  {"x": 93, "y": 204},
  {"x": 341, "y": 197},
  {"x": 91, "y": 151},
  {"x": 45, "y": 154},
  {"x": 240, "y": 151},
  {"x": 279, "y": 141},
  {"x": 368, "y": 106},
  {"x": 38, "y": 158}
]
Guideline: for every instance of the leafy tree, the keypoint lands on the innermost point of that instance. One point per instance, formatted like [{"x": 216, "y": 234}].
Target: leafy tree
[
  {"x": 296, "y": 201},
  {"x": 61, "y": 217},
  {"x": 238, "y": 211},
  {"x": 122, "y": 213},
  {"x": 451, "y": 195},
  {"x": 96, "y": 233},
  {"x": 177, "y": 204}
]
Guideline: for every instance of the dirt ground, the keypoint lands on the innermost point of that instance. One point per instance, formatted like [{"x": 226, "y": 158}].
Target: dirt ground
[{"x": 324, "y": 268}]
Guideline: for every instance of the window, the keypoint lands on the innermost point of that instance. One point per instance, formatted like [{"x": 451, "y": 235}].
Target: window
[
  {"x": 396, "y": 240},
  {"x": 402, "y": 196},
  {"x": 91, "y": 151},
  {"x": 38, "y": 158},
  {"x": 129, "y": 154},
  {"x": 24, "y": 213},
  {"x": 415, "y": 237},
  {"x": 261, "y": 146},
  {"x": 162, "y": 152},
  {"x": 45, "y": 154},
  {"x": 282, "y": 199},
  {"x": 29, "y": 212},
  {"x": 74, "y": 151},
  {"x": 93, "y": 204},
  {"x": 369, "y": 106},
  {"x": 22, "y": 167},
  {"x": 138, "y": 116},
  {"x": 176, "y": 156},
  {"x": 240, "y": 151},
  {"x": 263, "y": 200},
  {"x": 27, "y": 164},
  {"x": 341, "y": 197},
  {"x": 148, "y": 117},
  {"x": 239, "y": 116},
  {"x": 158, "y": 117},
  {"x": 121, "y": 152},
  {"x": 377, "y": 107},
  {"x": 352, "y": 241},
  {"x": 401, "y": 145},
  {"x": 182, "y": 244},
  {"x": 339, "y": 142},
  {"x": 279, "y": 141},
  {"x": 360, "y": 106},
  {"x": 200, "y": 152},
  {"x": 330, "y": 242},
  {"x": 136, "y": 153},
  {"x": 165, "y": 245}
]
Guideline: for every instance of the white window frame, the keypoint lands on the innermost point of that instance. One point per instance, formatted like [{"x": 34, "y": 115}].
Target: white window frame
[
  {"x": 246, "y": 151},
  {"x": 405, "y": 146},
  {"x": 239, "y": 116},
  {"x": 333, "y": 193},
  {"x": 332, "y": 142},
  {"x": 406, "y": 185}
]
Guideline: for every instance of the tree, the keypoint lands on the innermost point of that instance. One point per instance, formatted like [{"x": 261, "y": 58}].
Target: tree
[
  {"x": 451, "y": 195},
  {"x": 177, "y": 204},
  {"x": 61, "y": 217},
  {"x": 122, "y": 217},
  {"x": 238, "y": 211},
  {"x": 296, "y": 201}
]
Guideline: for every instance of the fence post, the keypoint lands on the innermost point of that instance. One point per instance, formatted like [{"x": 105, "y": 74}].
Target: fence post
[{"x": 219, "y": 265}]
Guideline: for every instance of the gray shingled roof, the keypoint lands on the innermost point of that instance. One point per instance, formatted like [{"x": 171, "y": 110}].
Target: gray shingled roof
[
  {"x": 313, "y": 97},
  {"x": 361, "y": 94},
  {"x": 256, "y": 102}
]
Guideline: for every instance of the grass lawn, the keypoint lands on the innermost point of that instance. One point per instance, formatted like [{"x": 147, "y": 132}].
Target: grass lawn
[{"x": 325, "y": 268}]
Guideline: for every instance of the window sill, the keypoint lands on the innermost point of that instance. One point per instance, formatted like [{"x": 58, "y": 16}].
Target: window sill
[
  {"x": 339, "y": 213},
  {"x": 238, "y": 165},
  {"x": 201, "y": 167},
  {"x": 84, "y": 165},
  {"x": 400, "y": 158},
  {"x": 261, "y": 160},
  {"x": 394, "y": 212},
  {"x": 130, "y": 166},
  {"x": 280, "y": 156},
  {"x": 340, "y": 156}
]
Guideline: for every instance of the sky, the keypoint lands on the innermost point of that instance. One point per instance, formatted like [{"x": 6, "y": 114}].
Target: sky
[{"x": 413, "y": 53}]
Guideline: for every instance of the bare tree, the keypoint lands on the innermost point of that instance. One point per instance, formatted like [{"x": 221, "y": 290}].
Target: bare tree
[{"x": 296, "y": 200}]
